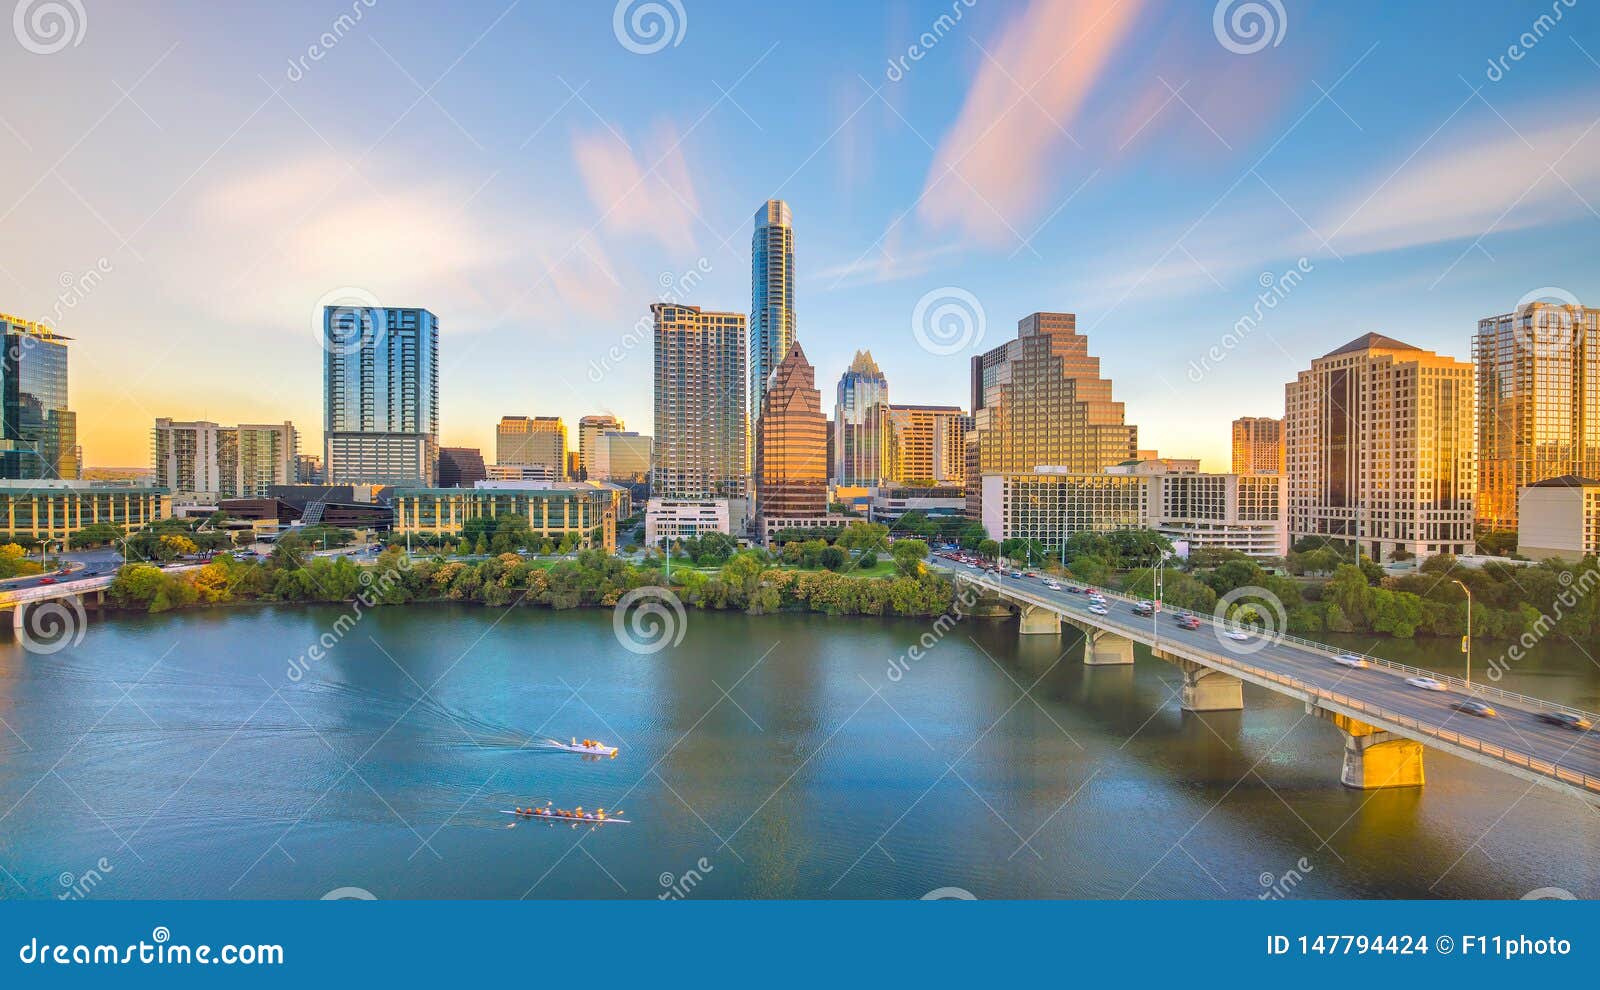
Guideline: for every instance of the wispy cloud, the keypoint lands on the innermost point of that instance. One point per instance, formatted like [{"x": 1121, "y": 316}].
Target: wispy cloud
[
  {"x": 996, "y": 163},
  {"x": 648, "y": 193},
  {"x": 1486, "y": 180}
]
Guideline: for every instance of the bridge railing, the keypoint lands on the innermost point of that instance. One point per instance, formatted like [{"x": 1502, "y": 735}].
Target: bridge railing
[
  {"x": 1549, "y": 768},
  {"x": 1476, "y": 688}
]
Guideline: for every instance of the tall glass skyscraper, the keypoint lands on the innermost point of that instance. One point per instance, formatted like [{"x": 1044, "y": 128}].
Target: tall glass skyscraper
[
  {"x": 1538, "y": 403},
  {"x": 381, "y": 396},
  {"x": 40, "y": 434},
  {"x": 702, "y": 439},
  {"x": 771, "y": 297},
  {"x": 861, "y": 425}
]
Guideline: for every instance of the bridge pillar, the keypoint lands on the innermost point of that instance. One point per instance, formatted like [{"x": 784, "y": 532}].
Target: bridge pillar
[
  {"x": 1103, "y": 649},
  {"x": 1374, "y": 758},
  {"x": 1038, "y": 621},
  {"x": 1208, "y": 690}
]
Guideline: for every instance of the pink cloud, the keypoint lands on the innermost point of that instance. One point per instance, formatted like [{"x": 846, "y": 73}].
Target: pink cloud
[
  {"x": 650, "y": 193},
  {"x": 1029, "y": 88}
]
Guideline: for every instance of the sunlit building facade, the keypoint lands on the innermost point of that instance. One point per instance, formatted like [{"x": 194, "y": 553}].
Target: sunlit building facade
[
  {"x": 771, "y": 297},
  {"x": 1039, "y": 400},
  {"x": 862, "y": 437},
  {"x": 928, "y": 445},
  {"x": 1538, "y": 403},
  {"x": 39, "y": 438},
  {"x": 791, "y": 470},
  {"x": 1379, "y": 445},
  {"x": 590, "y": 429},
  {"x": 701, "y": 434},
  {"x": 1257, "y": 445},
  {"x": 532, "y": 441},
  {"x": 587, "y": 513}
]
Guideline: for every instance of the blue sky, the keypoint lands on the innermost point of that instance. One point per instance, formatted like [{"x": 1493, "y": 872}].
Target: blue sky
[{"x": 184, "y": 182}]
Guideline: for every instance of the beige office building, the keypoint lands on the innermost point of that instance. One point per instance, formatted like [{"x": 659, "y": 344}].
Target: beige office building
[
  {"x": 532, "y": 441},
  {"x": 928, "y": 444},
  {"x": 1257, "y": 445},
  {"x": 1538, "y": 403},
  {"x": 590, "y": 429},
  {"x": 1379, "y": 448},
  {"x": 1039, "y": 400},
  {"x": 1560, "y": 518},
  {"x": 701, "y": 440},
  {"x": 622, "y": 456}
]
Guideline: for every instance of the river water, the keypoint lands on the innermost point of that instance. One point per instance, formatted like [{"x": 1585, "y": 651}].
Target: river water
[{"x": 205, "y": 754}]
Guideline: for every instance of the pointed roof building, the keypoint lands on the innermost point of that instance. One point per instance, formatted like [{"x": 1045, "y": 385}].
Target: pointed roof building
[{"x": 791, "y": 455}]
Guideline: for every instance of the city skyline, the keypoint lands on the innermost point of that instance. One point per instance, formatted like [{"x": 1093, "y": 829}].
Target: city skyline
[{"x": 1434, "y": 215}]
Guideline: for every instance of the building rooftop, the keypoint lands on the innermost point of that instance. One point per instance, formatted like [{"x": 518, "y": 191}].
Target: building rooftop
[
  {"x": 1373, "y": 342},
  {"x": 1567, "y": 481}
]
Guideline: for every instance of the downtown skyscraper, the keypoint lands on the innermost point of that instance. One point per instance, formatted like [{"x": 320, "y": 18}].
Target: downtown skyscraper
[
  {"x": 702, "y": 435},
  {"x": 771, "y": 297},
  {"x": 791, "y": 451},
  {"x": 1039, "y": 400},
  {"x": 1379, "y": 448},
  {"x": 380, "y": 396},
  {"x": 1538, "y": 403},
  {"x": 40, "y": 434},
  {"x": 862, "y": 437}
]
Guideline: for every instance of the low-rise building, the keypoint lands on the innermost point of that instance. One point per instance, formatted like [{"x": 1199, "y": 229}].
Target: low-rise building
[
  {"x": 1559, "y": 517},
  {"x": 890, "y": 502},
  {"x": 49, "y": 508},
  {"x": 1246, "y": 513},
  {"x": 667, "y": 520},
  {"x": 587, "y": 513}
]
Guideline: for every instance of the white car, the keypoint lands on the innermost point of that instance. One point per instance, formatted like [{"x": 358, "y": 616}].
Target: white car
[
  {"x": 1426, "y": 683},
  {"x": 1052, "y": 586},
  {"x": 1355, "y": 663},
  {"x": 1238, "y": 635},
  {"x": 1098, "y": 609}
]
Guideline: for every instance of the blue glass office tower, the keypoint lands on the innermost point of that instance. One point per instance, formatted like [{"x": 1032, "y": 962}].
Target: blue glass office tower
[
  {"x": 381, "y": 396},
  {"x": 771, "y": 298},
  {"x": 40, "y": 434}
]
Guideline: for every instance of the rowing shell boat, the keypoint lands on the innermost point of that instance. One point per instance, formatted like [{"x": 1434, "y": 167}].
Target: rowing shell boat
[
  {"x": 553, "y": 817},
  {"x": 595, "y": 750}
]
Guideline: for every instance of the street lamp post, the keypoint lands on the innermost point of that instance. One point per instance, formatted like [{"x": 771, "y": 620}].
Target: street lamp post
[{"x": 1466, "y": 641}]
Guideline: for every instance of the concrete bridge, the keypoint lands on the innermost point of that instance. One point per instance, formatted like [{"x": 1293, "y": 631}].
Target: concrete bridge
[
  {"x": 82, "y": 589},
  {"x": 1385, "y": 721}
]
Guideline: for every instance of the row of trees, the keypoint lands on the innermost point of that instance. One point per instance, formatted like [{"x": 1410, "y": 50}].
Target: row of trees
[{"x": 749, "y": 580}]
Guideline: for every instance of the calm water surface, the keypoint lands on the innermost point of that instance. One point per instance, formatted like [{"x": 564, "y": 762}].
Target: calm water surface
[{"x": 179, "y": 752}]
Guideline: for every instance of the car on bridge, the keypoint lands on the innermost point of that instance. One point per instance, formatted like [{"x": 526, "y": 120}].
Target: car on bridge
[
  {"x": 1477, "y": 708},
  {"x": 1352, "y": 661},
  {"x": 1427, "y": 683},
  {"x": 1566, "y": 720},
  {"x": 1098, "y": 609}
]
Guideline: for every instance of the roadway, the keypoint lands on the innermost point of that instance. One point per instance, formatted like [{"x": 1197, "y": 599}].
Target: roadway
[{"x": 1378, "y": 690}]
